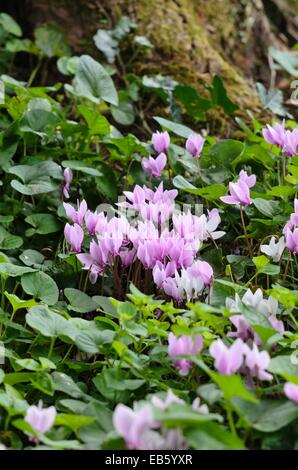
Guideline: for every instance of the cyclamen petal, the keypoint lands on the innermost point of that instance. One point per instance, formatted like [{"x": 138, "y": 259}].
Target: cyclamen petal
[
  {"x": 184, "y": 345},
  {"x": 291, "y": 391},
  {"x": 227, "y": 360},
  {"x": 292, "y": 240},
  {"x": 160, "y": 141},
  {"x": 74, "y": 235},
  {"x": 275, "y": 134},
  {"x": 194, "y": 145},
  {"x": 257, "y": 361},
  {"x": 155, "y": 166},
  {"x": 133, "y": 424},
  {"x": 68, "y": 176},
  {"x": 239, "y": 191},
  {"x": 40, "y": 419}
]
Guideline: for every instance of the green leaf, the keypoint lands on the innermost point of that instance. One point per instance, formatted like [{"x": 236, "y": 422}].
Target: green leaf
[
  {"x": 51, "y": 41},
  {"x": 41, "y": 286},
  {"x": 17, "y": 303},
  {"x": 107, "y": 41},
  {"x": 183, "y": 414},
  {"x": 9, "y": 241},
  {"x": 31, "y": 189},
  {"x": 79, "y": 301},
  {"x": 10, "y": 25},
  {"x": 68, "y": 65},
  {"x": 260, "y": 262},
  {"x": 268, "y": 208},
  {"x": 81, "y": 166},
  {"x": 267, "y": 415},
  {"x": 97, "y": 123},
  {"x": 272, "y": 99},
  {"x": 49, "y": 323},
  {"x": 220, "y": 98},
  {"x": 12, "y": 270},
  {"x": 7, "y": 152},
  {"x": 211, "y": 192},
  {"x": 38, "y": 121},
  {"x": 285, "y": 367},
  {"x": 64, "y": 383},
  {"x": 195, "y": 105},
  {"x": 73, "y": 422},
  {"x": 93, "y": 82},
  {"x": 142, "y": 41},
  {"x": 42, "y": 223},
  {"x": 287, "y": 60},
  {"x": 283, "y": 192},
  {"x": 212, "y": 436},
  {"x": 123, "y": 113},
  {"x": 92, "y": 341},
  {"x": 178, "y": 129},
  {"x": 232, "y": 386},
  {"x": 107, "y": 183},
  {"x": 116, "y": 379}
]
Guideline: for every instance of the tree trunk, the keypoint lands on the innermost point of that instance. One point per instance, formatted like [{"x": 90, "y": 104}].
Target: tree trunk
[{"x": 193, "y": 39}]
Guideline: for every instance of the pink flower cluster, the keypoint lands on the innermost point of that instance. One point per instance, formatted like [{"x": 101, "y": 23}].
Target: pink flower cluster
[
  {"x": 164, "y": 242},
  {"x": 291, "y": 230},
  {"x": 267, "y": 307},
  {"x": 286, "y": 140},
  {"x": 161, "y": 142},
  {"x": 239, "y": 356},
  {"x": 185, "y": 345},
  {"x": 240, "y": 191},
  {"x": 141, "y": 431},
  {"x": 155, "y": 166}
]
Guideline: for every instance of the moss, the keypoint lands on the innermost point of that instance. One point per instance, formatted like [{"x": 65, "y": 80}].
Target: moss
[{"x": 184, "y": 48}]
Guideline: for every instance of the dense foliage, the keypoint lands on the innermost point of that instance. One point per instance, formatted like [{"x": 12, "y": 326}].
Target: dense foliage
[{"x": 144, "y": 302}]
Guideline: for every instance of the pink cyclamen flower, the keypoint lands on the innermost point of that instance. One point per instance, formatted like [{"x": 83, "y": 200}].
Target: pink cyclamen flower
[
  {"x": 77, "y": 216},
  {"x": 161, "y": 272},
  {"x": 196, "y": 405},
  {"x": 94, "y": 261},
  {"x": 275, "y": 134},
  {"x": 292, "y": 240},
  {"x": 243, "y": 329},
  {"x": 239, "y": 194},
  {"x": 227, "y": 360},
  {"x": 133, "y": 424},
  {"x": 184, "y": 345},
  {"x": 169, "y": 400},
  {"x": 67, "y": 182},
  {"x": 93, "y": 221},
  {"x": 194, "y": 145},
  {"x": 257, "y": 361},
  {"x": 290, "y": 143},
  {"x": 202, "y": 269},
  {"x": 160, "y": 141},
  {"x": 250, "y": 181},
  {"x": 291, "y": 391},
  {"x": 74, "y": 235},
  {"x": 155, "y": 166},
  {"x": 40, "y": 419}
]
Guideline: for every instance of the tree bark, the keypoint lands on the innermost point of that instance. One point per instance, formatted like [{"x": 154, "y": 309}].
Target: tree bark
[{"x": 193, "y": 39}]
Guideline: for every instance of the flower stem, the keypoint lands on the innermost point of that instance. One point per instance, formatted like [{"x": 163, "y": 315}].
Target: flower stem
[
  {"x": 283, "y": 159},
  {"x": 245, "y": 233},
  {"x": 53, "y": 339},
  {"x": 286, "y": 269}
]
